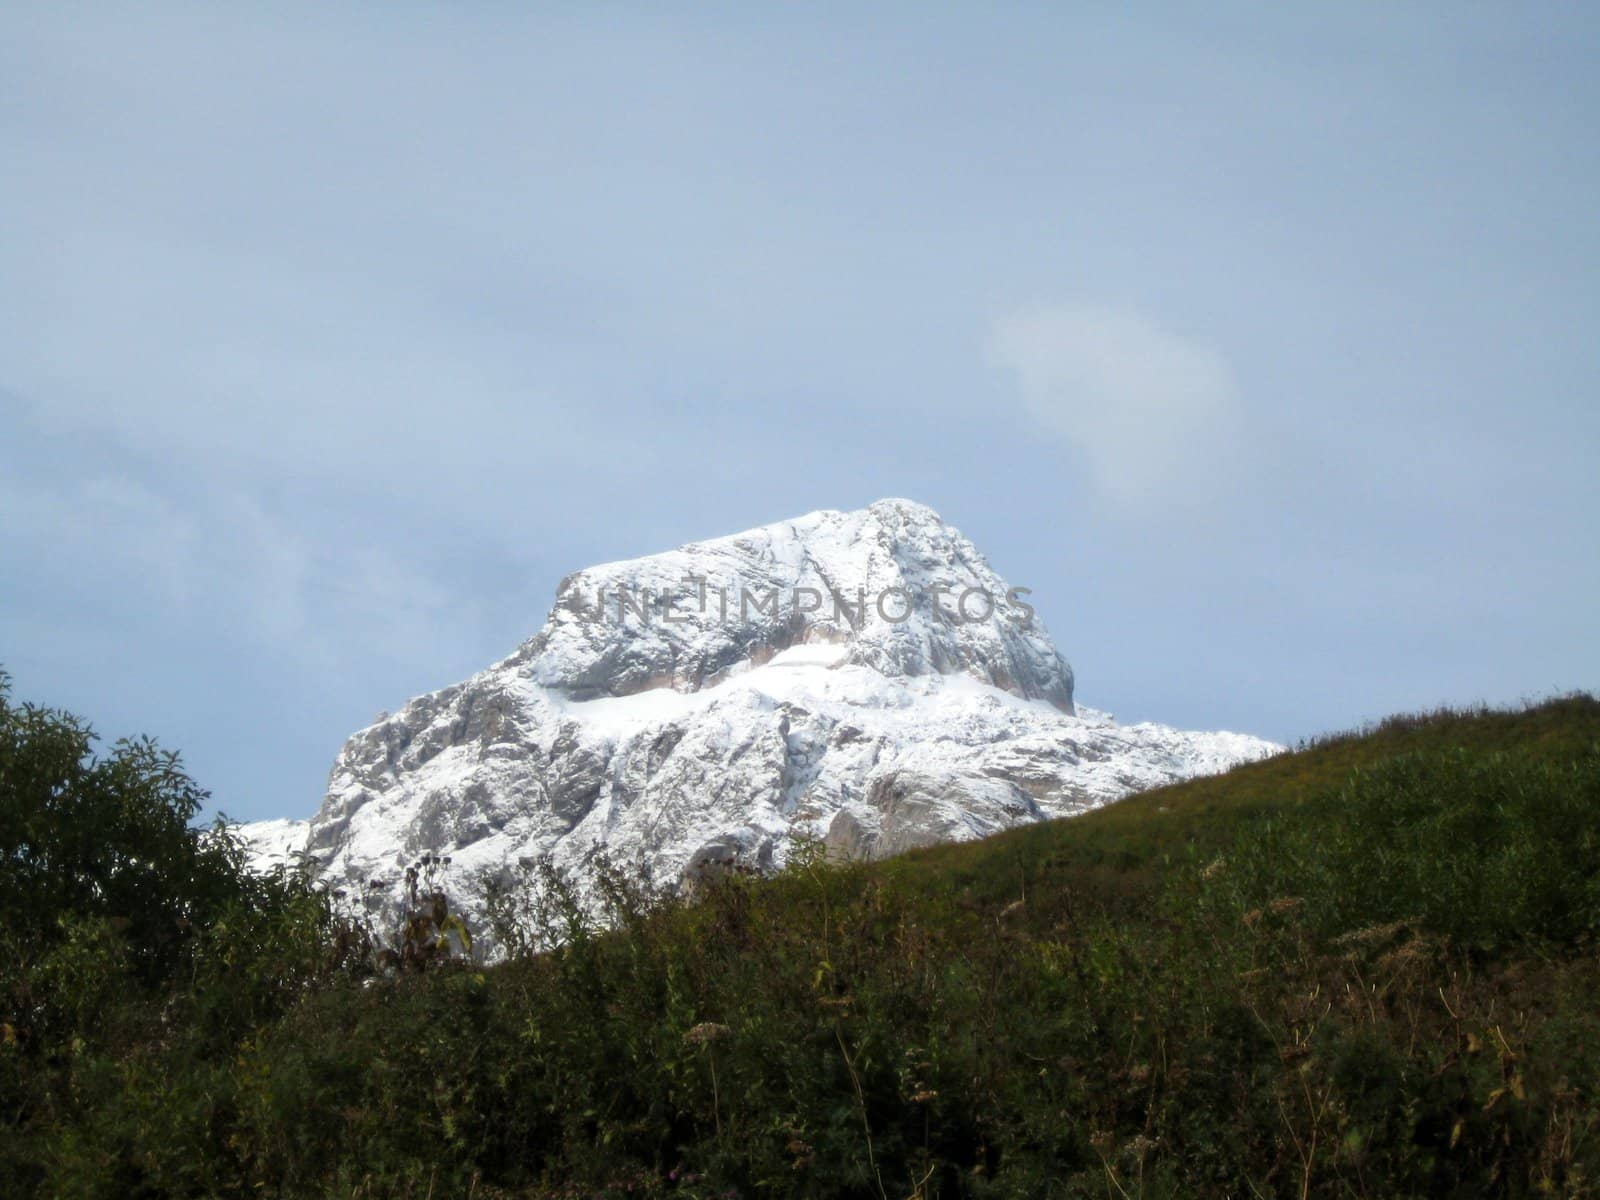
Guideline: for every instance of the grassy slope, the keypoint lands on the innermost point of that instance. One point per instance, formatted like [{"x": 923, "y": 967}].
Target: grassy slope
[
  {"x": 1367, "y": 968},
  {"x": 1117, "y": 846}
]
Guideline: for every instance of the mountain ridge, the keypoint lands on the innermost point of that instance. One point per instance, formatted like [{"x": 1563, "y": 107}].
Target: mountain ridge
[{"x": 886, "y": 689}]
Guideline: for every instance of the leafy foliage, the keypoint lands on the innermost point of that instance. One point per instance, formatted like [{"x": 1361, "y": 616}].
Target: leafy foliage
[
  {"x": 85, "y": 839},
  {"x": 1364, "y": 969},
  {"x": 134, "y": 948}
]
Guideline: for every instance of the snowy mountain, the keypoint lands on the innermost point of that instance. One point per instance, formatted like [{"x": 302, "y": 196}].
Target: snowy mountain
[{"x": 861, "y": 677}]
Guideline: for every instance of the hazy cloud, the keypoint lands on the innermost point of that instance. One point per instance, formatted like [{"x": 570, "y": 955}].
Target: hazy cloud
[
  {"x": 1151, "y": 412},
  {"x": 235, "y": 565}
]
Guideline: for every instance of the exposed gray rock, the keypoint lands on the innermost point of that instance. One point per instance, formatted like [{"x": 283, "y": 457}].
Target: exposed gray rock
[{"x": 688, "y": 736}]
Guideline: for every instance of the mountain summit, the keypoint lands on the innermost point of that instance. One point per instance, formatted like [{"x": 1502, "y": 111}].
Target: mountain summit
[
  {"x": 863, "y": 677},
  {"x": 895, "y": 587}
]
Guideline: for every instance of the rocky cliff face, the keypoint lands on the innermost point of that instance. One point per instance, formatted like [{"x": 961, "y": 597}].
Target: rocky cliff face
[
  {"x": 861, "y": 677},
  {"x": 863, "y": 580}
]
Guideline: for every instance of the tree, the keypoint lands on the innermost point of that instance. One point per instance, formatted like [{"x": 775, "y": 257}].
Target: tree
[{"x": 87, "y": 839}]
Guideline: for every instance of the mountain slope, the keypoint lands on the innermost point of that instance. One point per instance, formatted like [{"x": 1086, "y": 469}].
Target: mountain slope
[
  {"x": 864, "y": 678},
  {"x": 1363, "y": 968}
]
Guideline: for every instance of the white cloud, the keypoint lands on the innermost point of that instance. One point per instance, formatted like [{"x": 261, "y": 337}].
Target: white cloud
[{"x": 1154, "y": 415}]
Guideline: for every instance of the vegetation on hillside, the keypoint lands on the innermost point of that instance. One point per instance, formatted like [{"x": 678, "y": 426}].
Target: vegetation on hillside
[{"x": 1367, "y": 968}]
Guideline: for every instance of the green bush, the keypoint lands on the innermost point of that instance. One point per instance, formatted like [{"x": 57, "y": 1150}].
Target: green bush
[
  {"x": 1489, "y": 851},
  {"x": 85, "y": 838},
  {"x": 1365, "y": 969},
  {"x": 135, "y": 952}
]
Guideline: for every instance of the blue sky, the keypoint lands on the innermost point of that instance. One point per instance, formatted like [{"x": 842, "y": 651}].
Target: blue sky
[{"x": 1259, "y": 341}]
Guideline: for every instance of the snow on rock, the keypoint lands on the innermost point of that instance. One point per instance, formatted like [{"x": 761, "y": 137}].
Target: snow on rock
[
  {"x": 864, "y": 678},
  {"x": 275, "y": 843},
  {"x": 824, "y": 577}
]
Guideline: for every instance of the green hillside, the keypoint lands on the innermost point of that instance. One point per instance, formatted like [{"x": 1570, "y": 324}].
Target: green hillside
[{"x": 1366, "y": 968}]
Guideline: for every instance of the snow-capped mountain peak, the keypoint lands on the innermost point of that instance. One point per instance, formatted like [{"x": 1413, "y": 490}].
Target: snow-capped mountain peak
[
  {"x": 906, "y": 593},
  {"x": 864, "y": 677}
]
